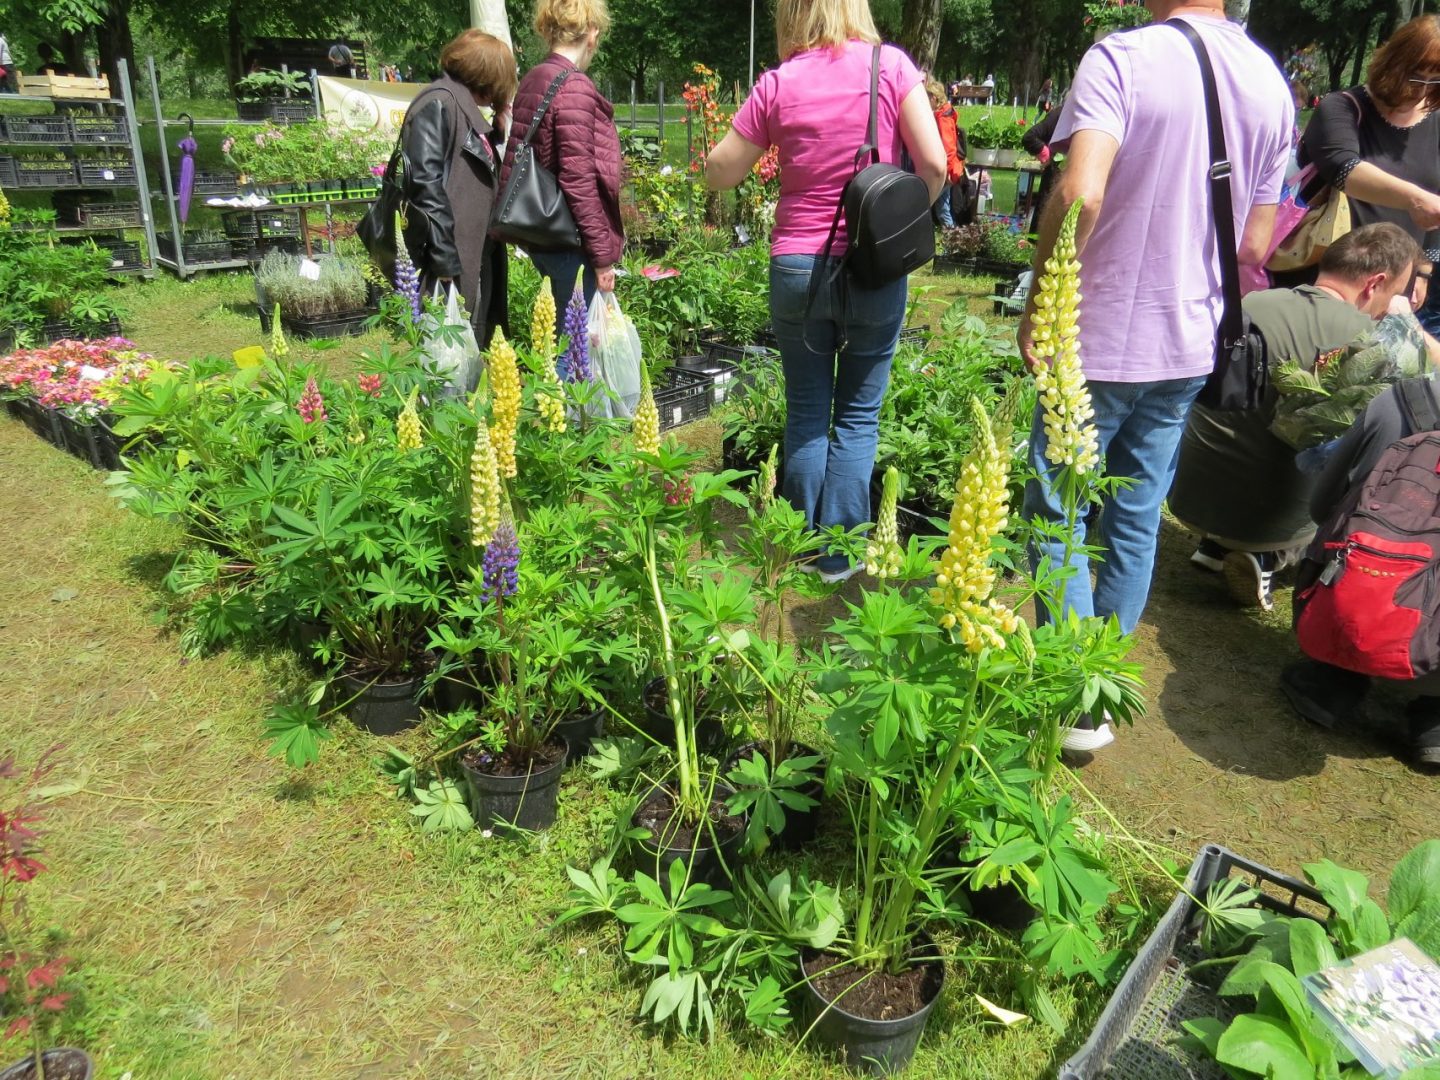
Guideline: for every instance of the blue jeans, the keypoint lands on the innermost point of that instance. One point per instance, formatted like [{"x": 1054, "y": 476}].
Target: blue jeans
[
  {"x": 1139, "y": 427},
  {"x": 562, "y": 267},
  {"x": 832, "y": 392},
  {"x": 942, "y": 209}
]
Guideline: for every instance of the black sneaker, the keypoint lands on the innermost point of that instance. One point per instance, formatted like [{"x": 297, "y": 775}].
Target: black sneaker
[
  {"x": 1249, "y": 575},
  {"x": 1210, "y": 555},
  {"x": 1423, "y": 719},
  {"x": 1326, "y": 696}
]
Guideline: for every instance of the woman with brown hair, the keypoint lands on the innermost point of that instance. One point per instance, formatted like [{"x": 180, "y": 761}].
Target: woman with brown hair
[
  {"x": 452, "y": 170},
  {"x": 576, "y": 141},
  {"x": 1380, "y": 143}
]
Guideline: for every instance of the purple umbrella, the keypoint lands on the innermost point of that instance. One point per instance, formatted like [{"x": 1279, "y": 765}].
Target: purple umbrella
[{"x": 186, "y": 187}]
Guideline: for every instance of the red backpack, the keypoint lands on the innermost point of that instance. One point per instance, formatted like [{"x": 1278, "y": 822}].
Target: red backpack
[{"x": 1367, "y": 597}]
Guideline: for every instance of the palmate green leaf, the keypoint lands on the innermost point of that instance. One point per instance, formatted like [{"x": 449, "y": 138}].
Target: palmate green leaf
[
  {"x": 442, "y": 808},
  {"x": 1264, "y": 1046},
  {"x": 296, "y": 732}
]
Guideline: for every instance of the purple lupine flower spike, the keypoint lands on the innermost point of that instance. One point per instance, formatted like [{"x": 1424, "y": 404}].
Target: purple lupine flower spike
[
  {"x": 501, "y": 564},
  {"x": 575, "y": 364},
  {"x": 407, "y": 277}
]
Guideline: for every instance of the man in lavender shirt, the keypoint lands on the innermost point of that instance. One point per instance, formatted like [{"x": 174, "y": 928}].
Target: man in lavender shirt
[{"x": 1137, "y": 151}]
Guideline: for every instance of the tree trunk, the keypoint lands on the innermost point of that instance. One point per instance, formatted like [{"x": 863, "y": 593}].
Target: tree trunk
[
  {"x": 1362, "y": 46},
  {"x": 234, "y": 48},
  {"x": 920, "y": 31},
  {"x": 115, "y": 42},
  {"x": 72, "y": 48}
]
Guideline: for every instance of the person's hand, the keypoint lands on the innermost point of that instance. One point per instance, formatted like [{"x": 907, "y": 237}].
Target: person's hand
[
  {"x": 605, "y": 278},
  {"x": 1024, "y": 336},
  {"x": 1425, "y": 210}
]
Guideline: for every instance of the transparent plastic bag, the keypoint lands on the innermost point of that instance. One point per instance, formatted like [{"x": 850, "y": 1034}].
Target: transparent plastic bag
[
  {"x": 450, "y": 350},
  {"x": 615, "y": 353}
]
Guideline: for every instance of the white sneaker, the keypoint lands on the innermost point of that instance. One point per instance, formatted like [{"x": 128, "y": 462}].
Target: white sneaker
[
  {"x": 1086, "y": 737},
  {"x": 834, "y": 577}
]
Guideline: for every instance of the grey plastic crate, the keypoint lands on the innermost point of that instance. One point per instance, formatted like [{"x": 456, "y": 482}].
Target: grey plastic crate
[{"x": 1138, "y": 1036}]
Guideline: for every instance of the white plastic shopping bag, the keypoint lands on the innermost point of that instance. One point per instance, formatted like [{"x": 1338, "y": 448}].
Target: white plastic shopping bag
[
  {"x": 450, "y": 350},
  {"x": 615, "y": 353}
]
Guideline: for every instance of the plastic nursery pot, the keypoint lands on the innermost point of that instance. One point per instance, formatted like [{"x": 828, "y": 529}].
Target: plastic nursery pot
[
  {"x": 884, "y": 1042},
  {"x": 579, "y": 729},
  {"x": 709, "y": 861},
  {"x": 1001, "y": 906},
  {"x": 800, "y": 825},
  {"x": 660, "y": 726},
  {"x": 65, "y": 1063},
  {"x": 381, "y": 708},
  {"x": 523, "y": 800}
]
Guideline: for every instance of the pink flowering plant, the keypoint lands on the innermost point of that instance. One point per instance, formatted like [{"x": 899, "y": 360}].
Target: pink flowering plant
[{"x": 80, "y": 378}]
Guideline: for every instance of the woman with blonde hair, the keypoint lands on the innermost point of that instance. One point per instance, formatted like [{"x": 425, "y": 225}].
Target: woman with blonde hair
[
  {"x": 837, "y": 340},
  {"x": 577, "y": 141}
]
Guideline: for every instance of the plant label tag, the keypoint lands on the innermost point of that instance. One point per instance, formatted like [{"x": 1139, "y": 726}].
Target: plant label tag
[
  {"x": 109, "y": 174},
  {"x": 309, "y": 269}
]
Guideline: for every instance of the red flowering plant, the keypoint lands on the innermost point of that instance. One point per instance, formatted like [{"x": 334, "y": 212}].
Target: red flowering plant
[
  {"x": 30, "y": 994},
  {"x": 80, "y": 378}
]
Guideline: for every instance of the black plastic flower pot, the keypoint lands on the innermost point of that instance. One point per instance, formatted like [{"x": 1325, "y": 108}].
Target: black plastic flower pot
[
  {"x": 65, "y": 1063},
  {"x": 800, "y": 825},
  {"x": 875, "y": 1047},
  {"x": 523, "y": 801},
  {"x": 660, "y": 726},
  {"x": 711, "y": 852},
  {"x": 1002, "y": 906},
  {"x": 580, "y": 729},
  {"x": 381, "y": 708}
]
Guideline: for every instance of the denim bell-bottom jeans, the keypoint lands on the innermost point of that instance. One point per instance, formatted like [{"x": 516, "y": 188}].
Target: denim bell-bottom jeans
[
  {"x": 1139, "y": 427},
  {"x": 836, "y": 373}
]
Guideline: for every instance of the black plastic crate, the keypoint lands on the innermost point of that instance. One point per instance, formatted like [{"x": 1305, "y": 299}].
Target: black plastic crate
[
  {"x": 340, "y": 324},
  {"x": 103, "y": 215},
  {"x": 278, "y": 224},
  {"x": 124, "y": 254},
  {"x": 61, "y": 331},
  {"x": 1138, "y": 1036},
  {"x": 215, "y": 183},
  {"x": 718, "y": 371},
  {"x": 37, "y": 129},
  {"x": 196, "y": 251},
  {"x": 915, "y": 335},
  {"x": 91, "y": 130},
  {"x": 44, "y": 174},
  {"x": 7, "y": 171},
  {"x": 240, "y": 224},
  {"x": 681, "y": 396},
  {"x": 292, "y": 111},
  {"x": 254, "y": 249},
  {"x": 107, "y": 172}
]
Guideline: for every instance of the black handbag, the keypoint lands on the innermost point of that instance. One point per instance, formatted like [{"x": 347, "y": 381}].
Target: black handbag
[
  {"x": 376, "y": 230},
  {"x": 887, "y": 210},
  {"x": 1241, "y": 373},
  {"x": 532, "y": 211}
]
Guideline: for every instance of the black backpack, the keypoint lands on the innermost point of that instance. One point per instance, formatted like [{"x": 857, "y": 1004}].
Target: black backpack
[
  {"x": 886, "y": 211},
  {"x": 1365, "y": 596}
]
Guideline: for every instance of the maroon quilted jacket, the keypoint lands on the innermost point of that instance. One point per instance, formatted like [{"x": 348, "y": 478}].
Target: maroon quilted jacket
[{"x": 577, "y": 141}]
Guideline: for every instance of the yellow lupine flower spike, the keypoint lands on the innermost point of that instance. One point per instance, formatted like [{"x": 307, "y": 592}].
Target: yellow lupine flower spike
[
  {"x": 1059, "y": 378},
  {"x": 542, "y": 322},
  {"x": 883, "y": 554},
  {"x": 964, "y": 580},
  {"x": 484, "y": 487},
  {"x": 645, "y": 424},
  {"x": 407, "y": 426},
  {"x": 279, "y": 347},
  {"x": 505, "y": 388}
]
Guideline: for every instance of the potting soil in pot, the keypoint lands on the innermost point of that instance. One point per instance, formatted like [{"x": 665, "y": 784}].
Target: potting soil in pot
[
  {"x": 657, "y": 814},
  {"x": 515, "y": 765},
  {"x": 872, "y": 995}
]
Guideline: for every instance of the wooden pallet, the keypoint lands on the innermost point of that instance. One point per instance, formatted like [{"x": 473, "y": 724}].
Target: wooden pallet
[{"x": 65, "y": 86}]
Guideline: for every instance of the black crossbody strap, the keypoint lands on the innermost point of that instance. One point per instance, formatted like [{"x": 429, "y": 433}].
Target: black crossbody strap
[
  {"x": 1418, "y": 405},
  {"x": 544, "y": 105},
  {"x": 1222, "y": 201}
]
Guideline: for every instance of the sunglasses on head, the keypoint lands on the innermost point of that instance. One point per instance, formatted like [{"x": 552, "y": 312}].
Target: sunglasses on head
[{"x": 1424, "y": 82}]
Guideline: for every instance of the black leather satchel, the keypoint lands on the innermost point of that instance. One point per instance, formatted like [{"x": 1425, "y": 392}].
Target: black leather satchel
[
  {"x": 1242, "y": 371},
  {"x": 532, "y": 211},
  {"x": 376, "y": 229}
]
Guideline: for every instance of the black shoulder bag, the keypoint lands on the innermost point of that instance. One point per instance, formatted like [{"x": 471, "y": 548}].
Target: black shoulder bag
[
  {"x": 886, "y": 210},
  {"x": 532, "y": 210},
  {"x": 1241, "y": 373},
  {"x": 376, "y": 230}
]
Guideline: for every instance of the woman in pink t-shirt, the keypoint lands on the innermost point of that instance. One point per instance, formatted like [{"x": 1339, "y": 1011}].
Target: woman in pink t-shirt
[{"x": 836, "y": 350}]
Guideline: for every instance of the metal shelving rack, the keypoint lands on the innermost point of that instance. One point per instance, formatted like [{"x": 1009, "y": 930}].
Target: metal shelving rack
[
  {"x": 141, "y": 186},
  {"x": 178, "y": 264}
]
